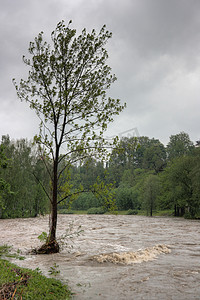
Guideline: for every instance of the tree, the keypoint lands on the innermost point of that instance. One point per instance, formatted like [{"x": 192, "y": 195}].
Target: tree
[
  {"x": 4, "y": 186},
  {"x": 151, "y": 191},
  {"x": 123, "y": 159},
  {"x": 26, "y": 200},
  {"x": 177, "y": 184},
  {"x": 194, "y": 201},
  {"x": 179, "y": 145},
  {"x": 127, "y": 178},
  {"x": 155, "y": 157},
  {"x": 144, "y": 143},
  {"x": 127, "y": 198},
  {"x": 66, "y": 87},
  {"x": 89, "y": 171}
]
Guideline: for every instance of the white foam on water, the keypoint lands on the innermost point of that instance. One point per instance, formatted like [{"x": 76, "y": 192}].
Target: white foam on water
[{"x": 127, "y": 258}]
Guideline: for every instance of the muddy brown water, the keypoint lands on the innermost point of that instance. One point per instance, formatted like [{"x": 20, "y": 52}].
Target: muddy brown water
[{"x": 174, "y": 275}]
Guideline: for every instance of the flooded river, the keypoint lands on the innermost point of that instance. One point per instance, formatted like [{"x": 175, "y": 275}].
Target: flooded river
[{"x": 171, "y": 274}]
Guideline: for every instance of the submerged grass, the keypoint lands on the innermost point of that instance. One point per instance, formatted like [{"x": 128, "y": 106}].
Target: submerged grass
[
  {"x": 6, "y": 251},
  {"x": 19, "y": 283}
]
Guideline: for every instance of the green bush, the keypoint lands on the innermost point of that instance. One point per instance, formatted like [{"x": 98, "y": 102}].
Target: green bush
[
  {"x": 85, "y": 201},
  {"x": 127, "y": 198},
  {"x": 188, "y": 215},
  {"x": 65, "y": 211},
  {"x": 96, "y": 210},
  {"x": 132, "y": 212}
]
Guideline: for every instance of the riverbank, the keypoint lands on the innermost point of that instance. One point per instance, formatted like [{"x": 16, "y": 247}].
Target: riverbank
[
  {"x": 21, "y": 283},
  {"x": 99, "y": 211},
  {"x": 160, "y": 213}
]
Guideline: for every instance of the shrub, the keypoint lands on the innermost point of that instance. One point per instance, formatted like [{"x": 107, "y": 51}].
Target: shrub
[
  {"x": 188, "y": 215},
  {"x": 127, "y": 198},
  {"x": 65, "y": 211},
  {"x": 132, "y": 212},
  {"x": 85, "y": 201},
  {"x": 96, "y": 210}
]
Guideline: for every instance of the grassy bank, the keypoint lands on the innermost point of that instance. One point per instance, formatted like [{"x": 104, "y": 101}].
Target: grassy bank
[
  {"x": 161, "y": 213},
  {"x": 19, "y": 283}
]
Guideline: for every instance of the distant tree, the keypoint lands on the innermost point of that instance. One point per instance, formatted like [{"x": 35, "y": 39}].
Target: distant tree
[
  {"x": 126, "y": 198},
  {"x": 4, "y": 186},
  {"x": 177, "y": 184},
  {"x": 179, "y": 145},
  {"x": 144, "y": 143},
  {"x": 122, "y": 160},
  {"x": 85, "y": 201},
  {"x": 194, "y": 201},
  {"x": 151, "y": 190},
  {"x": 128, "y": 177},
  {"x": 26, "y": 200},
  {"x": 89, "y": 171},
  {"x": 66, "y": 87},
  {"x": 155, "y": 157}
]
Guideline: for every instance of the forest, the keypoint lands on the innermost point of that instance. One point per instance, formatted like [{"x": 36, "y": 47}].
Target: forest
[{"x": 144, "y": 176}]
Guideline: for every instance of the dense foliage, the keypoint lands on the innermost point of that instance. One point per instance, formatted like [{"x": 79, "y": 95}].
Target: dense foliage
[
  {"x": 148, "y": 177},
  {"x": 25, "y": 175}
]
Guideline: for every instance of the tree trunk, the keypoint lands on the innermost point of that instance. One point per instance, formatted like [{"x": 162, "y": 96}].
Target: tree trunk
[
  {"x": 175, "y": 210},
  {"x": 51, "y": 245},
  {"x": 151, "y": 211},
  {"x": 178, "y": 211},
  {"x": 182, "y": 211},
  {"x": 53, "y": 224}
]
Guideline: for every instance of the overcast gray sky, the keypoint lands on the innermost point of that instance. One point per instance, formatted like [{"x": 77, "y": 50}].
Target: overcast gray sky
[{"x": 154, "y": 52}]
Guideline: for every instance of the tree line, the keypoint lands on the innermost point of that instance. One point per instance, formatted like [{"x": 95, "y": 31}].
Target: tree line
[
  {"x": 143, "y": 175},
  {"x": 24, "y": 175},
  {"x": 149, "y": 176}
]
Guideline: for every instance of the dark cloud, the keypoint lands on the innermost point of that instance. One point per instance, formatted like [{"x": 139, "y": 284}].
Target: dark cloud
[{"x": 155, "y": 53}]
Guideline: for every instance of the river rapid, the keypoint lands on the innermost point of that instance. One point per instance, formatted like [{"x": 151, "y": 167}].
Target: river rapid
[{"x": 173, "y": 274}]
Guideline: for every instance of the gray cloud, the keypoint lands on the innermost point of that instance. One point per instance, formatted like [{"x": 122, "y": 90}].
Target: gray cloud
[{"x": 155, "y": 53}]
